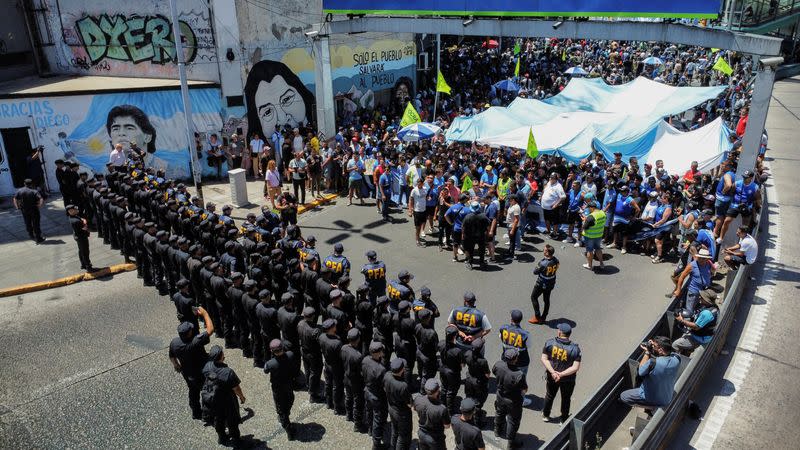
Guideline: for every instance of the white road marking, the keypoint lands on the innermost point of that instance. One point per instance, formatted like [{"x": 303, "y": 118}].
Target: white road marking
[{"x": 750, "y": 339}]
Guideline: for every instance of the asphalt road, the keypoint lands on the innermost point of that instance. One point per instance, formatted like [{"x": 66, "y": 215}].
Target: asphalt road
[
  {"x": 85, "y": 366},
  {"x": 750, "y": 397}
]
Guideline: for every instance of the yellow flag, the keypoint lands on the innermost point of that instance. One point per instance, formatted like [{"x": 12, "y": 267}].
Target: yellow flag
[
  {"x": 563, "y": 55},
  {"x": 410, "y": 116},
  {"x": 516, "y": 70},
  {"x": 467, "y": 184},
  {"x": 723, "y": 66},
  {"x": 714, "y": 50},
  {"x": 441, "y": 85},
  {"x": 533, "y": 149}
]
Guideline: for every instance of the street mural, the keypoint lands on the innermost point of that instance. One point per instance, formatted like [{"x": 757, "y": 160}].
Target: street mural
[
  {"x": 84, "y": 128},
  {"x": 131, "y": 39},
  {"x": 280, "y": 92}
]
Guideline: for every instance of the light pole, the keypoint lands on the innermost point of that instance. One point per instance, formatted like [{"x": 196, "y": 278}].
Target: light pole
[{"x": 187, "y": 105}]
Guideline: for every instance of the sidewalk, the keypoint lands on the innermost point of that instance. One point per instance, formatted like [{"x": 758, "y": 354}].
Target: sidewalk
[{"x": 25, "y": 262}]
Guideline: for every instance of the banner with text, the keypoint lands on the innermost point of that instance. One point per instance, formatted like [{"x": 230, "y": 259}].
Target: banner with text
[{"x": 511, "y": 8}]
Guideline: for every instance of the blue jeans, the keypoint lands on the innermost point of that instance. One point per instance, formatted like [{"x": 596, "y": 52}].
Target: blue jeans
[
  {"x": 633, "y": 397},
  {"x": 405, "y": 191}
]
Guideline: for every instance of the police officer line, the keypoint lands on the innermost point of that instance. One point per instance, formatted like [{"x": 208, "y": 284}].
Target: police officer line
[{"x": 600, "y": 410}]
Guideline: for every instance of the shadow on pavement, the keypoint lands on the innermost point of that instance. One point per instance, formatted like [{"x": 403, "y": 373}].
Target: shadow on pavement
[
  {"x": 554, "y": 323},
  {"x": 309, "y": 432}
]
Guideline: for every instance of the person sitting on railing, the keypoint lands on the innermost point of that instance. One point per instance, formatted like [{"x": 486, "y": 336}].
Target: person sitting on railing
[
  {"x": 658, "y": 370},
  {"x": 743, "y": 253},
  {"x": 701, "y": 327},
  {"x": 699, "y": 273}
]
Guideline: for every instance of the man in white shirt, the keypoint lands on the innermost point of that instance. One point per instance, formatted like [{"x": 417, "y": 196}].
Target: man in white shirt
[
  {"x": 117, "y": 156},
  {"x": 743, "y": 253},
  {"x": 416, "y": 208},
  {"x": 552, "y": 197},
  {"x": 256, "y": 146},
  {"x": 512, "y": 222},
  {"x": 649, "y": 212},
  {"x": 297, "y": 141}
]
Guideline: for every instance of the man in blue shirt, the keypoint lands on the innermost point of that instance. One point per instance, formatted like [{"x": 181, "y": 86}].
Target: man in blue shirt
[
  {"x": 455, "y": 215},
  {"x": 659, "y": 371},
  {"x": 701, "y": 327},
  {"x": 385, "y": 193},
  {"x": 491, "y": 208},
  {"x": 699, "y": 273},
  {"x": 746, "y": 197}
]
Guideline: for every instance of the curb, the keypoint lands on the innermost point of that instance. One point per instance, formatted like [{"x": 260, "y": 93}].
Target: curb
[
  {"x": 118, "y": 268},
  {"x": 65, "y": 281}
]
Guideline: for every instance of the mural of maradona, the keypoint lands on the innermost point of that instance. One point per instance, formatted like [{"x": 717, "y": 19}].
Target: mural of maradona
[{"x": 275, "y": 96}]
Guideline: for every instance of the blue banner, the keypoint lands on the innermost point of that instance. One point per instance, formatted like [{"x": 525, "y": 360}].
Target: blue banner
[{"x": 558, "y": 8}]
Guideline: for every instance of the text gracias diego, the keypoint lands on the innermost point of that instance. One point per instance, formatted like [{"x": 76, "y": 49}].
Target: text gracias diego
[{"x": 41, "y": 111}]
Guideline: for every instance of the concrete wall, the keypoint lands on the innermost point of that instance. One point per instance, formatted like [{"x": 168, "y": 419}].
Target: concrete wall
[{"x": 128, "y": 39}]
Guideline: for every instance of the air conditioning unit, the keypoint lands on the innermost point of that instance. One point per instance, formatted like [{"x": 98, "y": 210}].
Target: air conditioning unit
[{"x": 422, "y": 61}]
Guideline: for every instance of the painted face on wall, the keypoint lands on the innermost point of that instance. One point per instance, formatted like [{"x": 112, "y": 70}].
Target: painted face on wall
[
  {"x": 401, "y": 94},
  {"x": 124, "y": 130},
  {"x": 280, "y": 104}
]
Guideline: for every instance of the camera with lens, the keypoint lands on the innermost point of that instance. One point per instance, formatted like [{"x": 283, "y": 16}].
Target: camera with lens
[{"x": 648, "y": 346}]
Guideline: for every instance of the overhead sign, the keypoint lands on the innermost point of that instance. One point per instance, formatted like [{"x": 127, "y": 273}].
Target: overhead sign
[{"x": 520, "y": 8}]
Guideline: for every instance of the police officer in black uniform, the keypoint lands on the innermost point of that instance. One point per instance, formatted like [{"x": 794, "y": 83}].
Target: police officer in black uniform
[
  {"x": 337, "y": 263},
  {"x": 383, "y": 327},
  {"x": 399, "y": 290},
  {"x": 468, "y": 435},
  {"x": 185, "y": 304},
  {"x": 267, "y": 314},
  {"x": 353, "y": 381},
  {"x": 451, "y": 361},
  {"x": 336, "y": 312},
  {"x": 373, "y": 372},
  {"x": 309, "y": 334},
  {"x": 471, "y": 322},
  {"x": 28, "y": 201},
  {"x": 374, "y": 275},
  {"x": 226, "y": 406},
  {"x": 545, "y": 282},
  {"x": 363, "y": 316},
  {"x": 476, "y": 383},
  {"x": 425, "y": 302},
  {"x": 288, "y": 320},
  {"x": 249, "y": 304},
  {"x": 427, "y": 347},
  {"x": 80, "y": 232},
  {"x": 398, "y": 397},
  {"x": 406, "y": 342},
  {"x": 187, "y": 352},
  {"x": 511, "y": 387},
  {"x": 562, "y": 359},
  {"x": 143, "y": 270},
  {"x": 331, "y": 347},
  {"x": 219, "y": 290},
  {"x": 242, "y": 329},
  {"x": 280, "y": 368},
  {"x": 512, "y": 335},
  {"x": 433, "y": 417}
]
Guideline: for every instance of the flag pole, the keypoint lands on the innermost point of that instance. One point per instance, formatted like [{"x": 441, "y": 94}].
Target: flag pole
[{"x": 438, "y": 68}]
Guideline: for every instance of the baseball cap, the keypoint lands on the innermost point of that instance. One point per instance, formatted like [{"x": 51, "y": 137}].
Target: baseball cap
[
  {"x": 336, "y": 293},
  {"x": 475, "y": 206},
  {"x": 371, "y": 254},
  {"x": 264, "y": 293},
  {"x": 71, "y": 207},
  {"x": 565, "y": 328},
  {"x": 403, "y": 306},
  {"x": 431, "y": 385},
  {"x": 467, "y": 406},
  {"x": 250, "y": 284},
  {"x": 311, "y": 239},
  {"x": 423, "y": 314},
  {"x": 328, "y": 324},
  {"x": 353, "y": 334},
  {"x": 747, "y": 174},
  {"x": 397, "y": 364},
  {"x": 207, "y": 259},
  {"x": 182, "y": 283},
  {"x": 381, "y": 300},
  {"x": 375, "y": 347},
  {"x": 338, "y": 248},
  {"x": 185, "y": 327},
  {"x": 450, "y": 330},
  {"x": 425, "y": 291},
  {"x": 516, "y": 315},
  {"x": 405, "y": 274}
]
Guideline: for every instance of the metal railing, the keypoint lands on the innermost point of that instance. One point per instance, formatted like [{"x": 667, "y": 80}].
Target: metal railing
[
  {"x": 602, "y": 413},
  {"x": 752, "y": 13}
]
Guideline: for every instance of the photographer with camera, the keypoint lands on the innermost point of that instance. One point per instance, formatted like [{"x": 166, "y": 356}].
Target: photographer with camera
[
  {"x": 700, "y": 329},
  {"x": 658, "y": 370}
]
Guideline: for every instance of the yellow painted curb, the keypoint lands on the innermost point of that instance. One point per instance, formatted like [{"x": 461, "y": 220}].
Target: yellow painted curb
[
  {"x": 65, "y": 281},
  {"x": 320, "y": 201},
  {"x": 118, "y": 268}
]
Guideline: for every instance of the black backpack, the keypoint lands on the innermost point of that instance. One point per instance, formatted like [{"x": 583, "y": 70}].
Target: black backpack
[{"x": 210, "y": 394}]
